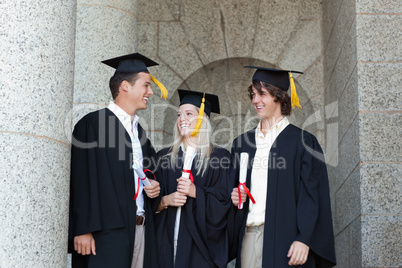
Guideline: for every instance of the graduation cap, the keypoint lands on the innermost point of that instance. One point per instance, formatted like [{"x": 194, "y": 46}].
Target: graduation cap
[
  {"x": 206, "y": 102},
  {"x": 135, "y": 63},
  {"x": 281, "y": 79}
]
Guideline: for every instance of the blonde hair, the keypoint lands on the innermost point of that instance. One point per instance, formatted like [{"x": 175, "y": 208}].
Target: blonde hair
[{"x": 204, "y": 147}]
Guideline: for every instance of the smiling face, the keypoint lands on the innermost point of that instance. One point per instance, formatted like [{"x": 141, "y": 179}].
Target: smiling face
[
  {"x": 140, "y": 91},
  {"x": 187, "y": 119},
  {"x": 265, "y": 105}
]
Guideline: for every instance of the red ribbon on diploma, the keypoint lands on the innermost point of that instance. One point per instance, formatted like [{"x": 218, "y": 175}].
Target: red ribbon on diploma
[
  {"x": 247, "y": 192},
  {"x": 191, "y": 175},
  {"x": 148, "y": 170},
  {"x": 138, "y": 187}
]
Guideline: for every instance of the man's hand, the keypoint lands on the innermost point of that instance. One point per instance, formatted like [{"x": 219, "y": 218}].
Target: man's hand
[
  {"x": 186, "y": 187},
  {"x": 298, "y": 253},
  {"x": 153, "y": 190},
  {"x": 85, "y": 244},
  {"x": 235, "y": 196}
]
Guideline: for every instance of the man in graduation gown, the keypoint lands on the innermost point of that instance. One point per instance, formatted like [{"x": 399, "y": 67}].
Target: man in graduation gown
[
  {"x": 111, "y": 212},
  {"x": 289, "y": 223}
]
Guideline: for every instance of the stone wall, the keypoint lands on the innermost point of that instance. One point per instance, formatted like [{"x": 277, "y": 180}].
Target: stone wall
[
  {"x": 362, "y": 61},
  {"x": 203, "y": 46}
]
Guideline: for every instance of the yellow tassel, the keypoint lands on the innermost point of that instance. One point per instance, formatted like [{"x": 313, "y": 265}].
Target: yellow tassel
[
  {"x": 164, "y": 92},
  {"x": 199, "y": 120},
  {"x": 294, "y": 98}
]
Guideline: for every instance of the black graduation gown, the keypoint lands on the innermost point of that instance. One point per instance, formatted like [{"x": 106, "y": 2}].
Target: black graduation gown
[
  {"x": 297, "y": 206},
  {"x": 102, "y": 191},
  {"x": 202, "y": 240}
]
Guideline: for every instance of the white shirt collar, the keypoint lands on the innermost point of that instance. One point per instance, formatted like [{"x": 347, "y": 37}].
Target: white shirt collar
[
  {"x": 280, "y": 125},
  {"x": 124, "y": 117}
]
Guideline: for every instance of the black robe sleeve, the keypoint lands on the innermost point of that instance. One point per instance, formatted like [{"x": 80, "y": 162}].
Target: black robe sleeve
[
  {"x": 83, "y": 173},
  {"x": 237, "y": 217},
  {"x": 89, "y": 167},
  {"x": 234, "y": 223},
  {"x": 212, "y": 204},
  {"x": 314, "y": 209}
]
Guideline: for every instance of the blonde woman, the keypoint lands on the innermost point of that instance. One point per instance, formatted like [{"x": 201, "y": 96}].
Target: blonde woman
[{"x": 201, "y": 238}]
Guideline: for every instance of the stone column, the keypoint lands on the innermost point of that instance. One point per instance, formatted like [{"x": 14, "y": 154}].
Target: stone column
[
  {"x": 362, "y": 69},
  {"x": 36, "y": 88},
  {"x": 378, "y": 74}
]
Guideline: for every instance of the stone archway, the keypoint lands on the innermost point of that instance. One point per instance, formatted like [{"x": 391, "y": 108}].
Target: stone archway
[{"x": 229, "y": 80}]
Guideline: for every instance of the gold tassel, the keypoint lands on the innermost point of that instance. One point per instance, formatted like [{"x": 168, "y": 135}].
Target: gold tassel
[
  {"x": 199, "y": 120},
  {"x": 294, "y": 97},
  {"x": 164, "y": 92}
]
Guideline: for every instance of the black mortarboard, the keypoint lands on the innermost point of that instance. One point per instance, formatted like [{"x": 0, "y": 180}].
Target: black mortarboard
[
  {"x": 275, "y": 77},
  {"x": 195, "y": 98},
  {"x": 135, "y": 63},
  {"x": 281, "y": 79},
  {"x": 206, "y": 102}
]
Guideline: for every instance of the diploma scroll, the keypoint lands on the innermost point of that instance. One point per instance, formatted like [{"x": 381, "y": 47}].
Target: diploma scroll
[
  {"x": 188, "y": 162},
  {"x": 242, "y": 173},
  {"x": 243, "y": 178},
  {"x": 142, "y": 176}
]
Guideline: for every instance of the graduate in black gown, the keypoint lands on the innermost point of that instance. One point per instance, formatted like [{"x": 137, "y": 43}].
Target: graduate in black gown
[
  {"x": 290, "y": 223},
  {"x": 204, "y": 199},
  {"x": 106, "y": 221}
]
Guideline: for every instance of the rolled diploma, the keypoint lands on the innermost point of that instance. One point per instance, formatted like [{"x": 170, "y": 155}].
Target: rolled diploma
[
  {"x": 188, "y": 162},
  {"x": 141, "y": 174},
  {"x": 243, "y": 171}
]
